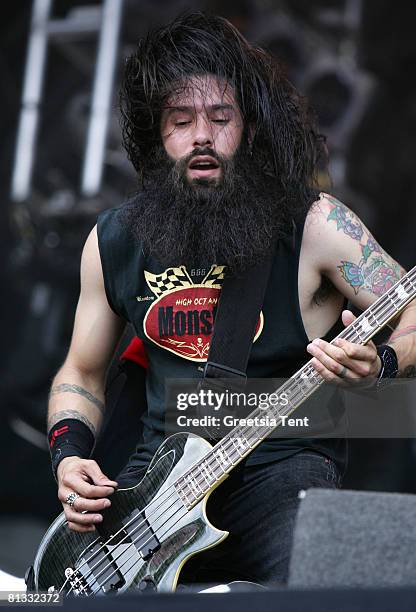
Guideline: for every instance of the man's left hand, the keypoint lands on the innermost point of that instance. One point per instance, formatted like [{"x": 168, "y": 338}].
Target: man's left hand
[{"x": 344, "y": 362}]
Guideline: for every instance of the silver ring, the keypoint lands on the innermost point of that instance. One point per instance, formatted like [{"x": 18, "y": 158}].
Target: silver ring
[
  {"x": 71, "y": 498},
  {"x": 343, "y": 372}
]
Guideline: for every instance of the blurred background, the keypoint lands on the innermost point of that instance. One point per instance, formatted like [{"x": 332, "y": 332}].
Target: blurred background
[{"x": 62, "y": 163}]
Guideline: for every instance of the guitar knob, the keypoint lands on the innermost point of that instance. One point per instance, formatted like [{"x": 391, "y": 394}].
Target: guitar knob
[{"x": 147, "y": 584}]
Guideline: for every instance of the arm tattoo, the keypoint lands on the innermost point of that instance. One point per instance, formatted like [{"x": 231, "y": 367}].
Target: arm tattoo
[
  {"x": 399, "y": 333},
  {"x": 376, "y": 276},
  {"x": 70, "y": 414},
  {"x": 65, "y": 388},
  {"x": 344, "y": 219}
]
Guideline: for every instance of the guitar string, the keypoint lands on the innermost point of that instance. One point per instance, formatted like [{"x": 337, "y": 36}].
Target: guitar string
[
  {"x": 134, "y": 554},
  {"x": 115, "y": 558},
  {"x": 148, "y": 529},
  {"x": 298, "y": 393},
  {"x": 308, "y": 368},
  {"x": 233, "y": 449},
  {"x": 376, "y": 311},
  {"x": 100, "y": 586},
  {"x": 157, "y": 498}
]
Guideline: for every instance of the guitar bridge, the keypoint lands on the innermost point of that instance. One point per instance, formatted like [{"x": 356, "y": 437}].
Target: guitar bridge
[{"x": 100, "y": 571}]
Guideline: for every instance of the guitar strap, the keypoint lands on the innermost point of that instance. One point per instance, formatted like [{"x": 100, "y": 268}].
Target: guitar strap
[{"x": 236, "y": 321}]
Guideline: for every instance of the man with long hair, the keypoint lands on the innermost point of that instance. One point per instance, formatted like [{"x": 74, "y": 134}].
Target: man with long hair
[{"x": 226, "y": 154}]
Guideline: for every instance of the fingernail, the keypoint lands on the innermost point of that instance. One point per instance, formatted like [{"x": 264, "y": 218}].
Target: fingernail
[
  {"x": 107, "y": 503},
  {"x": 97, "y": 518}
]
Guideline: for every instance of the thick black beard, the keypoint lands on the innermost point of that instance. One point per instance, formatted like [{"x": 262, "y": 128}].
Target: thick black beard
[{"x": 233, "y": 222}]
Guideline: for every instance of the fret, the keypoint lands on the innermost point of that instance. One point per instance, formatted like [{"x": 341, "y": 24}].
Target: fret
[
  {"x": 192, "y": 485},
  {"x": 225, "y": 453},
  {"x": 201, "y": 472},
  {"x": 206, "y": 474},
  {"x": 297, "y": 396},
  {"x": 236, "y": 446},
  {"x": 376, "y": 321},
  {"x": 214, "y": 454},
  {"x": 196, "y": 480},
  {"x": 356, "y": 331},
  {"x": 389, "y": 297},
  {"x": 402, "y": 293},
  {"x": 366, "y": 325},
  {"x": 306, "y": 383},
  {"x": 243, "y": 442},
  {"x": 412, "y": 284},
  {"x": 181, "y": 491},
  {"x": 217, "y": 467}
]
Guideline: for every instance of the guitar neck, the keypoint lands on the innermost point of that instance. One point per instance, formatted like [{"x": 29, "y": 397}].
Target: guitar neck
[{"x": 242, "y": 440}]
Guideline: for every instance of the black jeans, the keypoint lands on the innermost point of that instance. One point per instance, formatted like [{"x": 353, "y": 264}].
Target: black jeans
[{"x": 257, "y": 505}]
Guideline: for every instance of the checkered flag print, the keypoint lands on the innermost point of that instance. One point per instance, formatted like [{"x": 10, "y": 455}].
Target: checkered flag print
[
  {"x": 214, "y": 277},
  {"x": 171, "y": 278}
]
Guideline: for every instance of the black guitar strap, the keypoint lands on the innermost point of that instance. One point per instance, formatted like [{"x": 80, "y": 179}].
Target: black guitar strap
[{"x": 235, "y": 324}]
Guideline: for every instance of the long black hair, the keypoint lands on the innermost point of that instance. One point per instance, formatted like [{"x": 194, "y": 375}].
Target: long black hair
[{"x": 286, "y": 143}]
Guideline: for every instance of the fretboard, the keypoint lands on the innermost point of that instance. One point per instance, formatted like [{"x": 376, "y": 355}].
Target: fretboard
[{"x": 241, "y": 440}]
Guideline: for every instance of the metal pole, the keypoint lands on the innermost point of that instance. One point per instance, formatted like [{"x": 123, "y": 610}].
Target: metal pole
[
  {"x": 32, "y": 90},
  {"x": 101, "y": 98}
]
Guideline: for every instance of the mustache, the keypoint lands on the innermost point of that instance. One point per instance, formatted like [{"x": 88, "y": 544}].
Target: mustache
[{"x": 183, "y": 162}]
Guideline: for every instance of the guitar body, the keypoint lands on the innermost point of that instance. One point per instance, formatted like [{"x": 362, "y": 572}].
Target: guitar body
[{"x": 152, "y": 533}]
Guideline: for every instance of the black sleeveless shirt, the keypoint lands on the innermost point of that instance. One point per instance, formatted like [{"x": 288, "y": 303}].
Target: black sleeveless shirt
[{"x": 172, "y": 311}]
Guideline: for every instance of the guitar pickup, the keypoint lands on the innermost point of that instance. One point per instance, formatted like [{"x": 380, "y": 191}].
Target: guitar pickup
[{"x": 141, "y": 535}]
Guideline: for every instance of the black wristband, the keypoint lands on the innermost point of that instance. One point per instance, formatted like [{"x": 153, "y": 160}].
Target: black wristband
[
  {"x": 68, "y": 438},
  {"x": 389, "y": 364}
]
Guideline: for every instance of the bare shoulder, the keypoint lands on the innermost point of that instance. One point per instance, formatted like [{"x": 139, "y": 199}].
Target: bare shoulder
[
  {"x": 91, "y": 268},
  {"x": 325, "y": 209},
  {"x": 332, "y": 229}
]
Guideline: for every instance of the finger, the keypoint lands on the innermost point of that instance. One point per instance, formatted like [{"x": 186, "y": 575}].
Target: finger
[
  {"x": 81, "y": 503},
  {"x": 318, "y": 347},
  {"x": 347, "y": 317},
  {"x": 80, "y": 528},
  {"x": 356, "y": 357},
  {"x": 329, "y": 375},
  {"x": 74, "y": 482},
  {"x": 92, "y": 469},
  {"x": 330, "y": 366},
  {"x": 332, "y": 358},
  {"x": 360, "y": 359},
  {"x": 82, "y": 518}
]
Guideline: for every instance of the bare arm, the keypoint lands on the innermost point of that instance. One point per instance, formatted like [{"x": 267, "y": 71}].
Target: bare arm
[
  {"x": 344, "y": 250},
  {"x": 77, "y": 390}
]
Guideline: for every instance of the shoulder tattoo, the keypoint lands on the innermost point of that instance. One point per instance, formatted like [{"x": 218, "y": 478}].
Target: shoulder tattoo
[{"x": 377, "y": 275}]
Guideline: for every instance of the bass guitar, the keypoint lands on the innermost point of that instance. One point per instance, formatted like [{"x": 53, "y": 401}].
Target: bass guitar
[{"x": 154, "y": 527}]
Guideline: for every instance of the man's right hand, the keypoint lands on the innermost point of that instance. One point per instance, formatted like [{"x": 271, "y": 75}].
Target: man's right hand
[{"x": 84, "y": 477}]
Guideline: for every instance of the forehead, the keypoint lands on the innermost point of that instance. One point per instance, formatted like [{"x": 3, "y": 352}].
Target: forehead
[{"x": 201, "y": 91}]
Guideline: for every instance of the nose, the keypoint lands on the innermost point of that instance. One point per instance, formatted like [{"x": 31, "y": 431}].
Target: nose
[{"x": 202, "y": 133}]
